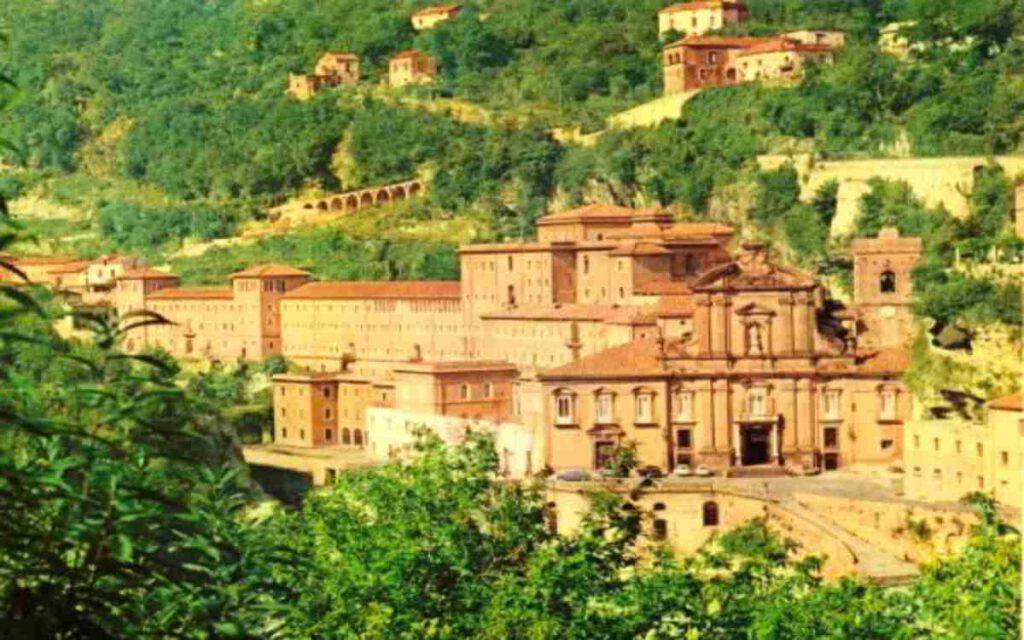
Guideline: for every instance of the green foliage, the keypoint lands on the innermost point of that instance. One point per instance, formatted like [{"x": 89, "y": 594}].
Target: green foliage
[
  {"x": 778, "y": 191},
  {"x": 623, "y": 460},
  {"x": 141, "y": 228},
  {"x": 329, "y": 254}
]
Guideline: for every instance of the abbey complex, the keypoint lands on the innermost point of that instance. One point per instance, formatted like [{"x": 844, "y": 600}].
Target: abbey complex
[{"x": 691, "y": 350}]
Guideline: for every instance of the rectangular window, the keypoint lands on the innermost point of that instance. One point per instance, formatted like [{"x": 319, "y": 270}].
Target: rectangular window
[
  {"x": 643, "y": 408},
  {"x": 488, "y": 390},
  {"x": 327, "y": 413},
  {"x": 831, "y": 437},
  {"x": 684, "y": 406},
  {"x": 605, "y": 408},
  {"x": 564, "y": 409},
  {"x": 1004, "y": 457},
  {"x": 831, "y": 404},
  {"x": 464, "y": 392},
  {"x": 887, "y": 405},
  {"x": 935, "y": 443},
  {"x": 756, "y": 402},
  {"x": 684, "y": 439}
]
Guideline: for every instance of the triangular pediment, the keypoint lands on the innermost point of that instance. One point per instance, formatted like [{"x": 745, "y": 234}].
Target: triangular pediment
[{"x": 754, "y": 309}]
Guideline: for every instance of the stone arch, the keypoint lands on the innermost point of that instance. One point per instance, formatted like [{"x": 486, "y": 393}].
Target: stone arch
[
  {"x": 352, "y": 203},
  {"x": 357, "y": 437},
  {"x": 415, "y": 189},
  {"x": 337, "y": 204},
  {"x": 398, "y": 193},
  {"x": 366, "y": 199},
  {"x": 322, "y": 205},
  {"x": 308, "y": 205},
  {"x": 383, "y": 196}
]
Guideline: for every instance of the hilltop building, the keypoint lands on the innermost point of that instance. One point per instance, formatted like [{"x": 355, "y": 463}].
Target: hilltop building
[
  {"x": 411, "y": 67},
  {"x": 698, "y": 62},
  {"x": 430, "y": 17},
  {"x": 333, "y": 69},
  {"x": 614, "y": 325},
  {"x": 698, "y": 18},
  {"x": 946, "y": 458}
]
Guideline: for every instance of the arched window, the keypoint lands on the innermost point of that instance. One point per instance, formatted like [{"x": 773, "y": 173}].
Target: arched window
[
  {"x": 346, "y": 436},
  {"x": 565, "y": 407},
  {"x": 710, "y": 514},
  {"x": 887, "y": 282},
  {"x": 357, "y": 437}
]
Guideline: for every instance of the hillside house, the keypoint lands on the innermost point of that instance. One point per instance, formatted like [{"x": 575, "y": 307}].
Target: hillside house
[
  {"x": 411, "y": 67},
  {"x": 698, "y": 18},
  {"x": 333, "y": 69},
  {"x": 430, "y": 17}
]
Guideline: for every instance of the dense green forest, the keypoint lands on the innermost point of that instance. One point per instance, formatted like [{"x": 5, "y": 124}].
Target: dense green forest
[{"x": 167, "y": 120}]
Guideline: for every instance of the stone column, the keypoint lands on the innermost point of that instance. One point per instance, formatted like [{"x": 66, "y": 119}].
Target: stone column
[
  {"x": 702, "y": 324},
  {"x": 719, "y": 327},
  {"x": 802, "y": 331},
  {"x": 807, "y": 424},
  {"x": 723, "y": 416},
  {"x": 705, "y": 414},
  {"x": 784, "y": 336},
  {"x": 774, "y": 443}
]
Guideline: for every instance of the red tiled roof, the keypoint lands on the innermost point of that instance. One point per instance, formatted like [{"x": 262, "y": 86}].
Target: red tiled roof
[
  {"x": 175, "y": 293},
  {"x": 455, "y": 366},
  {"x": 784, "y": 44},
  {"x": 269, "y": 271},
  {"x": 408, "y": 290},
  {"x": 71, "y": 267},
  {"x": 409, "y": 53},
  {"x": 891, "y": 361},
  {"x": 722, "y": 42},
  {"x": 662, "y": 287},
  {"x": 145, "y": 273},
  {"x": 1011, "y": 402},
  {"x": 437, "y": 9},
  {"x": 32, "y": 261},
  {"x": 340, "y": 54},
  {"x": 639, "y": 358},
  {"x": 709, "y": 4},
  {"x": 584, "y": 312},
  {"x": 589, "y": 212},
  {"x": 675, "y": 307}
]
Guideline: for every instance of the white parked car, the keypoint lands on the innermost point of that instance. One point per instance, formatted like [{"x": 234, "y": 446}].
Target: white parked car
[
  {"x": 683, "y": 471},
  {"x": 704, "y": 472}
]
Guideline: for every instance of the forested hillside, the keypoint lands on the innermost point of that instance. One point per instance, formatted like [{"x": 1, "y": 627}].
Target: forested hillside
[{"x": 166, "y": 120}]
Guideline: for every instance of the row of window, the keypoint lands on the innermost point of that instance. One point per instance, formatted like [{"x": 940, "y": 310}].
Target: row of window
[
  {"x": 979, "y": 449},
  {"x": 757, "y": 404}
]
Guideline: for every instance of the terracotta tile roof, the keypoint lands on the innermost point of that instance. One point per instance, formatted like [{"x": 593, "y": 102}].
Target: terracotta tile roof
[
  {"x": 663, "y": 287},
  {"x": 708, "y": 4},
  {"x": 1011, "y": 402},
  {"x": 34, "y": 261},
  {"x": 691, "y": 229},
  {"x": 409, "y": 53},
  {"x": 455, "y": 366},
  {"x": 584, "y": 312},
  {"x": 639, "y": 358},
  {"x": 721, "y": 42},
  {"x": 635, "y": 248},
  {"x": 784, "y": 44},
  {"x": 589, "y": 212},
  {"x": 893, "y": 361},
  {"x": 675, "y": 307},
  {"x": 174, "y": 293},
  {"x": 146, "y": 273},
  {"x": 437, "y": 9},
  {"x": 269, "y": 271},
  {"x": 340, "y": 54},
  {"x": 71, "y": 267},
  {"x": 401, "y": 290}
]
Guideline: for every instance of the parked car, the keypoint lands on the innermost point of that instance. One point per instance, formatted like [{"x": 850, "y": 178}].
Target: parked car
[
  {"x": 683, "y": 471},
  {"x": 650, "y": 472},
  {"x": 704, "y": 472},
  {"x": 573, "y": 475}
]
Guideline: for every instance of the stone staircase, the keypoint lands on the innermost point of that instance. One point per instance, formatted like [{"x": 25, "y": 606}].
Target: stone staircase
[
  {"x": 873, "y": 564},
  {"x": 757, "y": 471}
]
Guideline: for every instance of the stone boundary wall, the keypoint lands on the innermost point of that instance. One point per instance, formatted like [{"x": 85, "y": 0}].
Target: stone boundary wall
[
  {"x": 946, "y": 181},
  {"x": 942, "y": 529}
]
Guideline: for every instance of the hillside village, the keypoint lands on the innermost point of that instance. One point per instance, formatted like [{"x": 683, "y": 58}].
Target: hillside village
[{"x": 710, "y": 298}]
